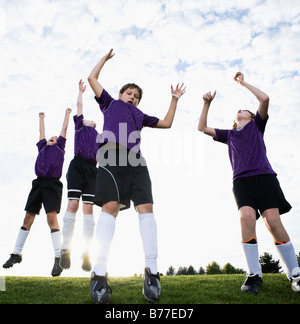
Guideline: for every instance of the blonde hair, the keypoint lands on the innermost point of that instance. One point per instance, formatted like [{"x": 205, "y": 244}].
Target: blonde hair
[{"x": 252, "y": 116}]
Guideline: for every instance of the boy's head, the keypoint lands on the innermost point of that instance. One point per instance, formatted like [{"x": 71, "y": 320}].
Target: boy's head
[
  {"x": 131, "y": 93},
  {"x": 90, "y": 123},
  {"x": 52, "y": 141}
]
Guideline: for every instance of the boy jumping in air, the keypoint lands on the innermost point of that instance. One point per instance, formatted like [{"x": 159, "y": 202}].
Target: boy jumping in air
[
  {"x": 81, "y": 178},
  {"x": 46, "y": 190},
  {"x": 123, "y": 179},
  {"x": 255, "y": 185}
]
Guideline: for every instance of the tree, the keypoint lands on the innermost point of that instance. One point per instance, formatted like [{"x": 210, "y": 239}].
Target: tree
[
  {"x": 201, "y": 271},
  {"x": 269, "y": 265},
  {"x": 298, "y": 258},
  {"x": 171, "y": 271},
  {"x": 230, "y": 269},
  {"x": 213, "y": 268},
  {"x": 191, "y": 271},
  {"x": 182, "y": 271}
]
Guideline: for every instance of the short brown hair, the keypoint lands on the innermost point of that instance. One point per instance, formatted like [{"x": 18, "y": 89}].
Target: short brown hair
[{"x": 132, "y": 86}]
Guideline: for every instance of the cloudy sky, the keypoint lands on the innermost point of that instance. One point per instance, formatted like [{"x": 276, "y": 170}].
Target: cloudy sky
[{"x": 47, "y": 46}]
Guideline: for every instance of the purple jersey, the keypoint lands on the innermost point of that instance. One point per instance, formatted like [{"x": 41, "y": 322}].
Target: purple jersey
[
  {"x": 85, "y": 140},
  {"x": 50, "y": 160},
  {"x": 247, "y": 150},
  {"x": 123, "y": 122}
]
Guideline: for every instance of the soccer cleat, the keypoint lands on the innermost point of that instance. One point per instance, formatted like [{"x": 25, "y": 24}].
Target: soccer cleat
[
  {"x": 86, "y": 262},
  {"x": 152, "y": 289},
  {"x": 252, "y": 284},
  {"x": 57, "y": 270},
  {"x": 14, "y": 258},
  {"x": 100, "y": 291},
  {"x": 65, "y": 259},
  {"x": 295, "y": 282}
]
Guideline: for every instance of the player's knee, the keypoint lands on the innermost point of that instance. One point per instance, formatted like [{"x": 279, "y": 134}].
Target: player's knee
[
  {"x": 145, "y": 208},
  {"x": 73, "y": 206},
  {"x": 87, "y": 209},
  {"x": 272, "y": 219},
  {"x": 112, "y": 208}
]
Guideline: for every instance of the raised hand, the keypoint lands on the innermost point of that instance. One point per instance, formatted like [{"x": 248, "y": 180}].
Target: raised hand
[
  {"x": 108, "y": 56},
  {"x": 208, "y": 97},
  {"x": 239, "y": 77},
  {"x": 179, "y": 91},
  {"x": 82, "y": 87}
]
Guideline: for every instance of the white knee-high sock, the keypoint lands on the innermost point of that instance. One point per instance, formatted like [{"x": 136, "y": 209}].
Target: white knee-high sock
[
  {"x": 148, "y": 231},
  {"x": 288, "y": 257},
  {"x": 56, "y": 242},
  {"x": 104, "y": 234},
  {"x": 21, "y": 239},
  {"x": 88, "y": 230},
  {"x": 252, "y": 257},
  {"x": 68, "y": 230}
]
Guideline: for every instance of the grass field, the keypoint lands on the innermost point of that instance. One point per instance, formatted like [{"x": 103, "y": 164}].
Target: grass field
[{"x": 214, "y": 289}]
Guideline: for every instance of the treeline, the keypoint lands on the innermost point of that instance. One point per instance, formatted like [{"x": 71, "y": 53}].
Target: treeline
[
  {"x": 211, "y": 269},
  {"x": 268, "y": 263}
]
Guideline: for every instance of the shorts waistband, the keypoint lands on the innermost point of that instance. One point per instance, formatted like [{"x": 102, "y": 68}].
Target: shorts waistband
[
  {"x": 47, "y": 178},
  {"x": 79, "y": 158}
]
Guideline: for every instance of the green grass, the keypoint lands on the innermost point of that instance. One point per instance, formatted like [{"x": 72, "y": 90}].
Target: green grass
[{"x": 217, "y": 289}]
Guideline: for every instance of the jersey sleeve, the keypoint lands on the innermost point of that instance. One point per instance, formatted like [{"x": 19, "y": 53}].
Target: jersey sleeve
[
  {"x": 221, "y": 135},
  {"x": 261, "y": 124},
  {"x": 41, "y": 144},
  {"x": 104, "y": 101},
  {"x": 150, "y": 121},
  {"x": 61, "y": 143},
  {"x": 78, "y": 121}
]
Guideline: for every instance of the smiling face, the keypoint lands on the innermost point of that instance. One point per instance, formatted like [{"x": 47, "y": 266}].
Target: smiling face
[{"x": 52, "y": 141}]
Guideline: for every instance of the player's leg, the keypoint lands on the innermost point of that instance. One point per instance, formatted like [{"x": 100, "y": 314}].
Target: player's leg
[
  {"x": 284, "y": 245},
  {"x": 32, "y": 208},
  {"x": 148, "y": 231},
  {"x": 88, "y": 233},
  {"x": 99, "y": 289},
  {"x": 249, "y": 241},
  {"x": 56, "y": 242},
  {"x": 16, "y": 256},
  {"x": 68, "y": 231}
]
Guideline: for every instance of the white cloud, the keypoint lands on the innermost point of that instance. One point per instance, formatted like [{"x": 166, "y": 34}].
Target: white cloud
[{"x": 47, "y": 46}]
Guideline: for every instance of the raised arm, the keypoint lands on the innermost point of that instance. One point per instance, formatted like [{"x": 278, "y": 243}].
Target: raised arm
[
  {"x": 202, "y": 126},
  {"x": 261, "y": 96},
  {"x": 42, "y": 126},
  {"x": 168, "y": 120},
  {"x": 93, "y": 77},
  {"x": 63, "y": 132},
  {"x": 82, "y": 88}
]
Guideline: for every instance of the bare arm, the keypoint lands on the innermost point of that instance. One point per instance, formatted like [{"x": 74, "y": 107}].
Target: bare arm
[
  {"x": 168, "y": 120},
  {"x": 261, "y": 96},
  {"x": 93, "y": 77},
  {"x": 63, "y": 132},
  {"x": 42, "y": 126},
  {"x": 202, "y": 126},
  {"x": 82, "y": 88}
]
